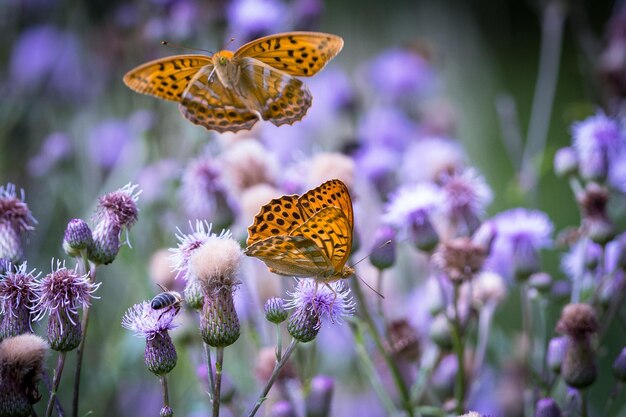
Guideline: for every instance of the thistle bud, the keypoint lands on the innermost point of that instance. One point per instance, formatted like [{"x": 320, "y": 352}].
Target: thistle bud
[
  {"x": 547, "y": 407},
  {"x": 283, "y": 408},
  {"x": 556, "y": 352},
  {"x": 166, "y": 411},
  {"x": 619, "y": 366},
  {"x": 106, "y": 242},
  {"x": 384, "y": 248},
  {"x": 194, "y": 297},
  {"x": 303, "y": 324},
  {"x": 460, "y": 259},
  {"x": 440, "y": 332},
  {"x": 64, "y": 332},
  {"x": 565, "y": 162},
  {"x": 160, "y": 354},
  {"x": 275, "y": 311},
  {"x": 526, "y": 259},
  {"x": 423, "y": 234},
  {"x": 219, "y": 323},
  {"x": 319, "y": 399},
  {"x": 77, "y": 237}
]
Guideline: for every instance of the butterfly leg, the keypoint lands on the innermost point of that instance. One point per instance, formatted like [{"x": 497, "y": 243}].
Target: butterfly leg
[
  {"x": 334, "y": 292},
  {"x": 210, "y": 79}
]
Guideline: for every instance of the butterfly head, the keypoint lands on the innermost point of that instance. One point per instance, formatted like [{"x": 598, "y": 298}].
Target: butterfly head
[
  {"x": 347, "y": 272},
  {"x": 222, "y": 57}
]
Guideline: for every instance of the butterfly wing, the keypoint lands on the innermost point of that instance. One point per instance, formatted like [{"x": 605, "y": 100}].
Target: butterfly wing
[
  {"x": 295, "y": 53},
  {"x": 331, "y": 231},
  {"x": 292, "y": 256},
  {"x": 333, "y": 193},
  {"x": 276, "y": 218},
  {"x": 166, "y": 78},
  {"x": 279, "y": 97},
  {"x": 208, "y": 103}
]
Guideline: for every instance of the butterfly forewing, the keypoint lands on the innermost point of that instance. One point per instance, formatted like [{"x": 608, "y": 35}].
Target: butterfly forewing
[
  {"x": 207, "y": 102},
  {"x": 296, "y": 53},
  {"x": 166, "y": 78},
  {"x": 330, "y": 230},
  {"x": 333, "y": 193},
  {"x": 276, "y": 218},
  {"x": 279, "y": 97},
  {"x": 292, "y": 256}
]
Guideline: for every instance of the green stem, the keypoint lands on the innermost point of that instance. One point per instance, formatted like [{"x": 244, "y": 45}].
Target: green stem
[
  {"x": 209, "y": 364},
  {"x": 55, "y": 383},
  {"x": 370, "y": 370},
  {"x": 459, "y": 350},
  {"x": 583, "y": 403},
  {"x": 391, "y": 365},
  {"x": 164, "y": 390},
  {"x": 85, "y": 268},
  {"x": 219, "y": 363},
  {"x": 279, "y": 343},
  {"x": 527, "y": 329},
  {"x": 277, "y": 368}
]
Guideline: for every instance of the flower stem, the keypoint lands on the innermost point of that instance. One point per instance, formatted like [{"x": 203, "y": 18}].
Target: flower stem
[
  {"x": 459, "y": 349},
  {"x": 166, "y": 397},
  {"x": 527, "y": 330},
  {"x": 209, "y": 364},
  {"x": 279, "y": 343},
  {"x": 268, "y": 385},
  {"x": 219, "y": 363},
  {"x": 583, "y": 403},
  {"x": 48, "y": 384},
  {"x": 55, "y": 383},
  {"x": 85, "y": 267},
  {"x": 391, "y": 365}
]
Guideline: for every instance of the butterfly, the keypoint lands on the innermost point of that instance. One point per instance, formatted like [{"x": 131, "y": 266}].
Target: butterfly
[
  {"x": 230, "y": 91},
  {"x": 306, "y": 236}
]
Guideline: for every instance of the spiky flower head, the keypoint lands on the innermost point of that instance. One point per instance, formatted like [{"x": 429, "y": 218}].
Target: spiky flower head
[
  {"x": 215, "y": 265},
  {"x": 598, "y": 140},
  {"x": 460, "y": 259},
  {"x": 15, "y": 220},
  {"x": 154, "y": 325},
  {"x": 17, "y": 292},
  {"x": 547, "y": 407},
  {"x": 21, "y": 365},
  {"x": 188, "y": 244},
  {"x": 117, "y": 211},
  {"x": 314, "y": 303},
  {"x": 77, "y": 237},
  {"x": 466, "y": 196},
  {"x": 275, "y": 311},
  {"x": 59, "y": 295}
]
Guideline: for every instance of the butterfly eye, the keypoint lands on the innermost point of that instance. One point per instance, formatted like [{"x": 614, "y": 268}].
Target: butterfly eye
[{"x": 222, "y": 60}]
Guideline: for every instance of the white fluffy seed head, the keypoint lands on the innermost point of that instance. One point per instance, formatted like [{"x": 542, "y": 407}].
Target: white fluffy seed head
[
  {"x": 215, "y": 263},
  {"x": 26, "y": 351},
  {"x": 328, "y": 165}
]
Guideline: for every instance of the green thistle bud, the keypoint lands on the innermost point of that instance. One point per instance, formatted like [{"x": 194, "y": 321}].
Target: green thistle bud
[
  {"x": 440, "y": 332},
  {"x": 166, "y": 411},
  {"x": 160, "y": 354},
  {"x": 64, "y": 334},
  {"x": 77, "y": 237},
  {"x": 547, "y": 407},
  {"x": 193, "y": 294},
  {"x": 275, "y": 311},
  {"x": 219, "y": 323},
  {"x": 304, "y": 324}
]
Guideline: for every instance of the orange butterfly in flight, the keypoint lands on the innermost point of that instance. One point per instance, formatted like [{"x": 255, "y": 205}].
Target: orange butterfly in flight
[
  {"x": 229, "y": 91},
  {"x": 306, "y": 236}
]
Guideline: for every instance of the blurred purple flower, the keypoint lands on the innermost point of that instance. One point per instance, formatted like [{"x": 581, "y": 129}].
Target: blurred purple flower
[
  {"x": 422, "y": 199},
  {"x": 386, "y": 126},
  {"x": 55, "y": 148},
  {"x": 306, "y": 13},
  {"x": 377, "y": 164},
  {"x": 518, "y": 229},
  {"x": 598, "y": 140},
  {"x": 399, "y": 73},
  {"x": 428, "y": 158},
  {"x": 249, "y": 19},
  {"x": 107, "y": 141},
  {"x": 153, "y": 178},
  {"x": 580, "y": 256},
  {"x": 46, "y": 56}
]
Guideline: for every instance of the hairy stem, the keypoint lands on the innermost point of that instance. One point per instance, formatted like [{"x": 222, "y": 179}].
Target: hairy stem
[
  {"x": 55, "y": 383},
  {"x": 268, "y": 385},
  {"x": 219, "y": 363}
]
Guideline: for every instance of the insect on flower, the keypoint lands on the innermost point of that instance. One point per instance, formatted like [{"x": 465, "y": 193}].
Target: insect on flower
[
  {"x": 229, "y": 91},
  {"x": 167, "y": 300}
]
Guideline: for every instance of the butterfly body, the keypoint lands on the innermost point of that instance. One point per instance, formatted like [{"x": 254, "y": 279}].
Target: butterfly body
[
  {"x": 306, "y": 236},
  {"x": 231, "y": 91}
]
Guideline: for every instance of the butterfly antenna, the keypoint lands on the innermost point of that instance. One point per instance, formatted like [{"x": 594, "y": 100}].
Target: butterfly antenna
[
  {"x": 173, "y": 45},
  {"x": 370, "y": 254},
  {"x": 369, "y": 286}
]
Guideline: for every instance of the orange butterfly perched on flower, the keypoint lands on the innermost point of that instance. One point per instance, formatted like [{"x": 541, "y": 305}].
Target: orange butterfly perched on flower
[
  {"x": 230, "y": 91},
  {"x": 306, "y": 236}
]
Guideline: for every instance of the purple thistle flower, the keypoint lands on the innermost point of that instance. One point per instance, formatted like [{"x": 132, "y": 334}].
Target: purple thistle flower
[
  {"x": 117, "y": 211},
  {"x": 566, "y": 162},
  {"x": 204, "y": 193},
  {"x": 520, "y": 234},
  {"x": 253, "y": 18},
  {"x": 59, "y": 295},
  {"x": 582, "y": 257},
  {"x": 17, "y": 292},
  {"x": 15, "y": 220},
  {"x": 598, "y": 140},
  {"x": 466, "y": 196},
  {"x": 107, "y": 141},
  {"x": 160, "y": 354},
  {"x": 399, "y": 73},
  {"x": 156, "y": 179},
  {"x": 387, "y": 127},
  {"x": 329, "y": 305},
  {"x": 436, "y": 156},
  {"x": 547, "y": 407},
  {"x": 55, "y": 148},
  {"x": 376, "y": 164},
  {"x": 275, "y": 311}
]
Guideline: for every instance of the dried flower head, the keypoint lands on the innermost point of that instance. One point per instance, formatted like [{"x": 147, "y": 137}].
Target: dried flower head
[
  {"x": 488, "y": 287},
  {"x": 460, "y": 259},
  {"x": 403, "y": 340},
  {"x": 17, "y": 292},
  {"x": 188, "y": 244},
  {"x": 328, "y": 165},
  {"x": 248, "y": 164},
  {"x": 577, "y": 320},
  {"x": 120, "y": 206},
  {"x": 216, "y": 261},
  {"x": 160, "y": 354},
  {"x": 21, "y": 365},
  {"x": 596, "y": 223}
]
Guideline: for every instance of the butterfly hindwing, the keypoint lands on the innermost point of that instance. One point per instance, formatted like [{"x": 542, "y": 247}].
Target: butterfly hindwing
[
  {"x": 292, "y": 256},
  {"x": 330, "y": 230},
  {"x": 166, "y": 78},
  {"x": 279, "y": 97},
  {"x": 208, "y": 103},
  {"x": 276, "y": 218},
  {"x": 296, "y": 53}
]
